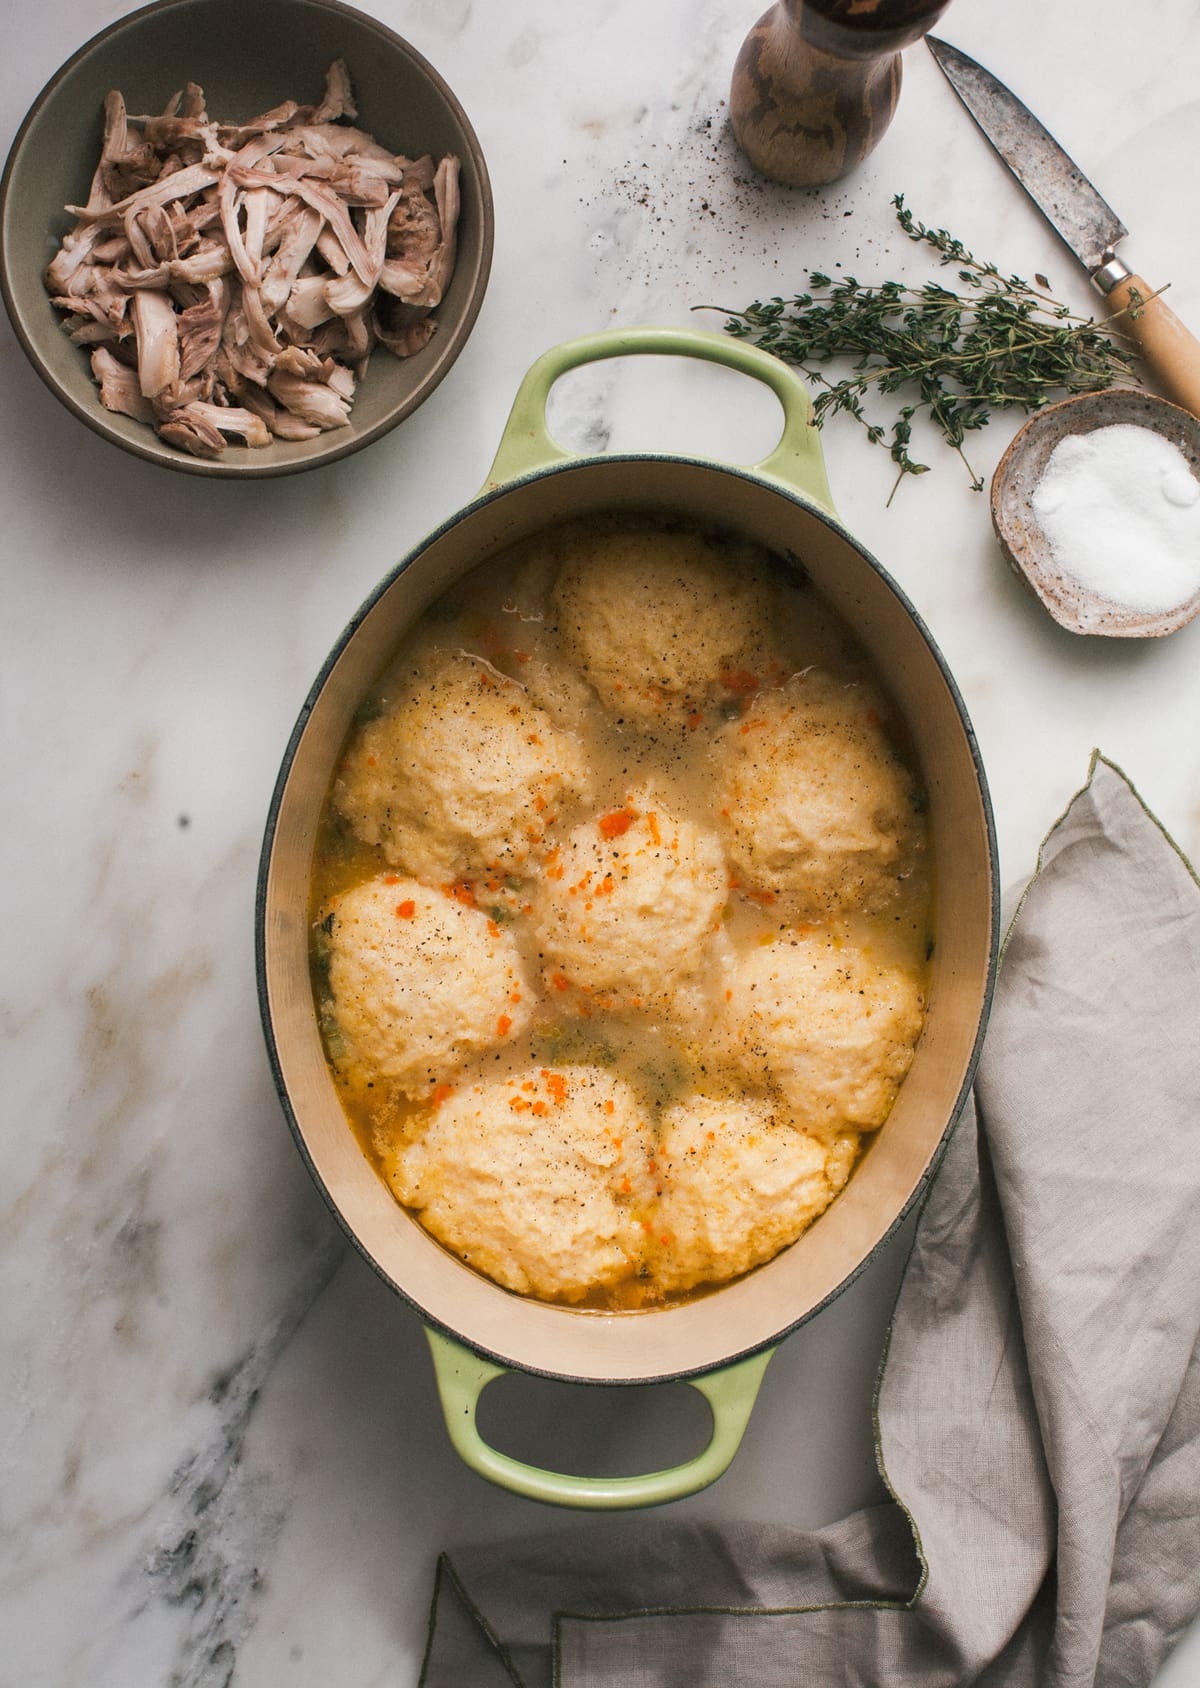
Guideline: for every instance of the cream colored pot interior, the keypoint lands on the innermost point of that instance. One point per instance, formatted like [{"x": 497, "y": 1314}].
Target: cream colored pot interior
[{"x": 759, "y": 1308}]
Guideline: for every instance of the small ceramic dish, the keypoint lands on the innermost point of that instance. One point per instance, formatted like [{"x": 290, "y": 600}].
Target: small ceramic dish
[
  {"x": 1022, "y": 540},
  {"x": 247, "y": 59}
]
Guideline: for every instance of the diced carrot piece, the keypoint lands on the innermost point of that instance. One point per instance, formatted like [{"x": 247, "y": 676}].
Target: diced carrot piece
[{"x": 616, "y": 824}]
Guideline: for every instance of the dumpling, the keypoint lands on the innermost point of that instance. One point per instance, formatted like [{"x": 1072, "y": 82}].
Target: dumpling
[
  {"x": 419, "y": 982},
  {"x": 811, "y": 799},
  {"x": 655, "y": 621},
  {"x": 461, "y": 775},
  {"x": 832, "y": 1031},
  {"x": 739, "y": 1183},
  {"x": 627, "y": 906},
  {"x": 539, "y": 1179}
]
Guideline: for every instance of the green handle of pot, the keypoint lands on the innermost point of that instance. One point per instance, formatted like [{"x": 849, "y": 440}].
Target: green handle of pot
[
  {"x": 463, "y": 1376},
  {"x": 528, "y": 445}
]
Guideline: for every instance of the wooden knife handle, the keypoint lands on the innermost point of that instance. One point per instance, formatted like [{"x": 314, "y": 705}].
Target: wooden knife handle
[{"x": 1171, "y": 350}]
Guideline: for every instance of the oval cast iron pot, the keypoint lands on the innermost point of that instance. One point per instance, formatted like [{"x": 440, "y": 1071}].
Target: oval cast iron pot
[{"x": 721, "y": 1342}]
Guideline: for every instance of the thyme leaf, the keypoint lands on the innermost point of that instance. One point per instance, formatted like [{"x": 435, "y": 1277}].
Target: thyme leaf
[{"x": 954, "y": 356}]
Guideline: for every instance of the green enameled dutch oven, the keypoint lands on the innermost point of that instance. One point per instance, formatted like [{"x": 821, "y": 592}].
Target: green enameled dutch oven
[{"x": 721, "y": 1342}]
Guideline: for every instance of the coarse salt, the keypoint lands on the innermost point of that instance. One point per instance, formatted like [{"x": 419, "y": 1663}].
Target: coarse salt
[{"x": 1120, "y": 508}]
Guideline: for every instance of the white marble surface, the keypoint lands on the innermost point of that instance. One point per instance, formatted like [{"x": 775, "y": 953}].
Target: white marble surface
[{"x": 220, "y": 1455}]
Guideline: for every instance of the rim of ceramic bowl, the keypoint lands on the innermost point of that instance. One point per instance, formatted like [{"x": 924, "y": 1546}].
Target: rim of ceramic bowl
[{"x": 153, "y": 450}]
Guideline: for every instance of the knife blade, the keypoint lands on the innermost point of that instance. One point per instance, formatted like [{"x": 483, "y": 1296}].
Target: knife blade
[{"x": 1084, "y": 220}]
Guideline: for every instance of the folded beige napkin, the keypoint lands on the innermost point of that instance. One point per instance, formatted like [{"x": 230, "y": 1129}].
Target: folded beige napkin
[{"x": 1038, "y": 1412}]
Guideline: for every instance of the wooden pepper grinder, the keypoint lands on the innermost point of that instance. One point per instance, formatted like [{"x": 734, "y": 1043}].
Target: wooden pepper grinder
[{"x": 817, "y": 81}]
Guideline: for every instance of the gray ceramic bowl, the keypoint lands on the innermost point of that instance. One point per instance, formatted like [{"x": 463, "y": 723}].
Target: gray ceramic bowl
[
  {"x": 247, "y": 58},
  {"x": 1026, "y": 546}
]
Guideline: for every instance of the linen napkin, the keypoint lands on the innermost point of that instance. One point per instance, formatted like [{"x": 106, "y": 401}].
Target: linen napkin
[{"x": 1038, "y": 1405}]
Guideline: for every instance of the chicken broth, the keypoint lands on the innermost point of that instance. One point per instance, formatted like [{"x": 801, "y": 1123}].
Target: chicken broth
[{"x": 620, "y": 909}]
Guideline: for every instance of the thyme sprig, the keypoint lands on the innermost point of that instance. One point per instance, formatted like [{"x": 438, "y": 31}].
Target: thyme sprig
[{"x": 957, "y": 356}]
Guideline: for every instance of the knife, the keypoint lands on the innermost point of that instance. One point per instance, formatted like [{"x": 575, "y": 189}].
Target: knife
[{"x": 1089, "y": 226}]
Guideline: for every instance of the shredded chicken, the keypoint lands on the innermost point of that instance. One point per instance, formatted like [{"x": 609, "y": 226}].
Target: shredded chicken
[{"x": 229, "y": 280}]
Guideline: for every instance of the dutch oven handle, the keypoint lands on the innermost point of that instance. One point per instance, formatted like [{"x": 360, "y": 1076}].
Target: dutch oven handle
[
  {"x": 527, "y": 444},
  {"x": 462, "y": 1376}
]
